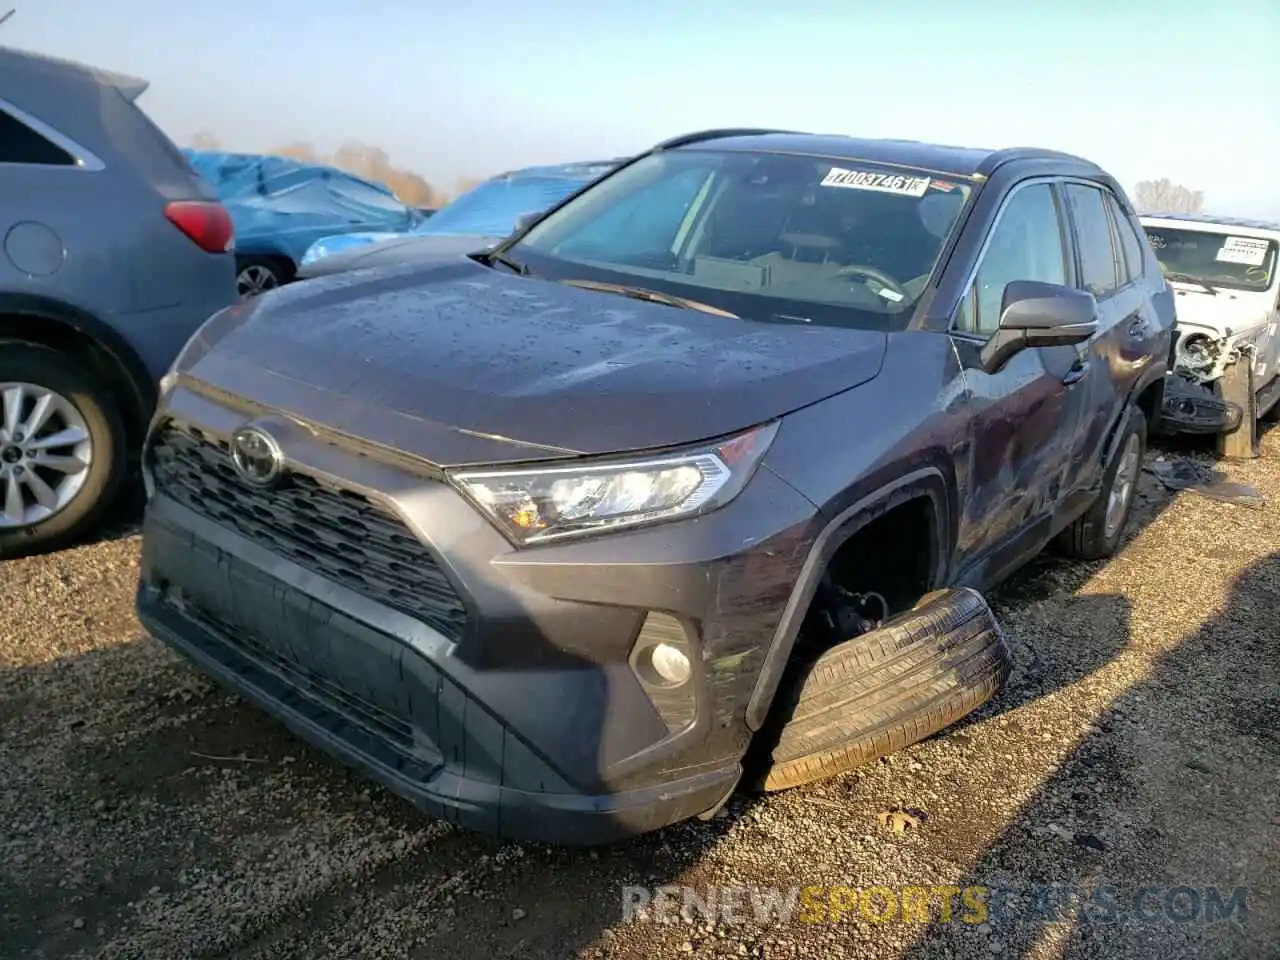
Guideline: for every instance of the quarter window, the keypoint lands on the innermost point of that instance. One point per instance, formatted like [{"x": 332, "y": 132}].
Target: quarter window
[
  {"x": 20, "y": 144},
  {"x": 1097, "y": 258},
  {"x": 1026, "y": 244}
]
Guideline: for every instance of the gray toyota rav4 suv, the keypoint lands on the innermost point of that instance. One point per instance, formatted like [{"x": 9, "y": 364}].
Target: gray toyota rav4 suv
[{"x": 689, "y": 484}]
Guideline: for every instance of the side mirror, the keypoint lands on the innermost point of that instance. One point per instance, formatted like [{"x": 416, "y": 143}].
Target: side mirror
[{"x": 1035, "y": 314}]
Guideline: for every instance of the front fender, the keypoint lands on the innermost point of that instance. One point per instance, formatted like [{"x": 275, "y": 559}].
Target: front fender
[{"x": 927, "y": 482}]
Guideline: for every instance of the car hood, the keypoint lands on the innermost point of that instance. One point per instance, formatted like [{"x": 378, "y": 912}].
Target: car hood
[
  {"x": 403, "y": 248},
  {"x": 461, "y": 364},
  {"x": 342, "y": 242},
  {"x": 1234, "y": 310}
]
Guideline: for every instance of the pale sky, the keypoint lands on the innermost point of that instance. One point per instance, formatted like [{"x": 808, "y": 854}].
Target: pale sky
[{"x": 1186, "y": 89}]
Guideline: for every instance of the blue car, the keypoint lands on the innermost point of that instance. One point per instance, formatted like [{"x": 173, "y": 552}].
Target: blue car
[
  {"x": 483, "y": 215},
  {"x": 281, "y": 207}
]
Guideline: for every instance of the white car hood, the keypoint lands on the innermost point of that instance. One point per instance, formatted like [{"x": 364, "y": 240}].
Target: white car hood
[{"x": 1240, "y": 313}]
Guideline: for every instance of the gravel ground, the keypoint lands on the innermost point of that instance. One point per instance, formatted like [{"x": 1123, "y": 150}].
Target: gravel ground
[{"x": 146, "y": 813}]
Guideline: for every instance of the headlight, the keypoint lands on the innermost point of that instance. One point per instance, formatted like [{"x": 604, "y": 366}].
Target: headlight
[{"x": 536, "y": 504}]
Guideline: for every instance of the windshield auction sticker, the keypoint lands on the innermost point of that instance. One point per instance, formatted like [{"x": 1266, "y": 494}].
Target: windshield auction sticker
[
  {"x": 879, "y": 182},
  {"x": 1245, "y": 250}
]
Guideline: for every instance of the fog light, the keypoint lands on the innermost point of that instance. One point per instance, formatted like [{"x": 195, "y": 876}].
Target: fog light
[
  {"x": 662, "y": 659},
  {"x": 671, "y": 664}
]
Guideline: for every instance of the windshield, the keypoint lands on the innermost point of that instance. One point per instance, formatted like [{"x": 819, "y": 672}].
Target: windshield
[
  {"x": 1219, "y": 259},
  {"x": 492, "y": 209},
  {"x": 772, "y": 237}
]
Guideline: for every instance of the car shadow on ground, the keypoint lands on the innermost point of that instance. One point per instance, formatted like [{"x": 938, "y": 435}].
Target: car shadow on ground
[
  {"x": 180, "y": 820},
  {"x": 1208, "y": 827}
]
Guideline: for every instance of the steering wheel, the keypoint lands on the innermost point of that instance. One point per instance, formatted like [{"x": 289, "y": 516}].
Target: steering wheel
[{"x": 871, "y": 273}]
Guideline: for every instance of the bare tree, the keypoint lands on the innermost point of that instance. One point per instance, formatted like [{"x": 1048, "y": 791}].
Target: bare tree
[
  {"x": 1165, "y": 196},
  {"x": 298, "y": 150},
  {"x": 204, "y": 140}
]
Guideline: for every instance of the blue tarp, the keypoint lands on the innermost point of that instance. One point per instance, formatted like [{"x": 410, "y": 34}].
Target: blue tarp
[
  {"x": 282, "y": 206},
  {"x": 488, "y": 210}
]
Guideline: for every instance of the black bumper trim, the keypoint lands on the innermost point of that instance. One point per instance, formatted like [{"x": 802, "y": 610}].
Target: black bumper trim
[{"x": 494, "y": 808}]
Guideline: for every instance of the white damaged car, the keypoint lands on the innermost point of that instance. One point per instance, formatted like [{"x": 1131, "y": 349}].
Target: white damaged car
[{"x": 1223, "y": 272}]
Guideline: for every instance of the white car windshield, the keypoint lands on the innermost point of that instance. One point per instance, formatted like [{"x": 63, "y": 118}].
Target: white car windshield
[
  {"x": 775, "y": 237},
  {"x": 1218, "y": 259}
]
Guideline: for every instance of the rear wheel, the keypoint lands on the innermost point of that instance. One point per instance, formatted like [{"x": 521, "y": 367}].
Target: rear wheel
[
  {"x": 1097, "y": 534},
  {"x": 255, "y": 275},
  {"x": 62, "y": 448},
  {"x": 885, "y": 689}
]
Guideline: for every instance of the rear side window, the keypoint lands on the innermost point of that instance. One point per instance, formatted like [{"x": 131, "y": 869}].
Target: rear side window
[
  {"x": 1097, "y": 258},
  {"x": 1129, "y": 241},
  {"x": 20, "y": 144}
]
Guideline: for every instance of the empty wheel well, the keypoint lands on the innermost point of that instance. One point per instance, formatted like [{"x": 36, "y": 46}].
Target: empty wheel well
[
  {"x": 892, "y": 557},
  {"x": 134, "y": 400}
]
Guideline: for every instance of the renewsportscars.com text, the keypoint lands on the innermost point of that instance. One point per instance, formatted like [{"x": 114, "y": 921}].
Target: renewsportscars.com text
[{"x": 974, "y": 904}]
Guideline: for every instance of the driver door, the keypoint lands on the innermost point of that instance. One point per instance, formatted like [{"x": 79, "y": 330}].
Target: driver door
[{"x": 1021, "y": 418}]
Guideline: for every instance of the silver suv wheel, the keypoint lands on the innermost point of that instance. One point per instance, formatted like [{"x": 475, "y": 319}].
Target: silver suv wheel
[
  {"x": 254, "y": 279},
  {"x": 45, "y": 453}
]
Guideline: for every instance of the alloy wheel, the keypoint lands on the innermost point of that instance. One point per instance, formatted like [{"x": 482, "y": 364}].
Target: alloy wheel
[
  {"x": 45, "y": 453},
  {"x": 255, "y": 279},
  {"x": 1122, "y": 487}
]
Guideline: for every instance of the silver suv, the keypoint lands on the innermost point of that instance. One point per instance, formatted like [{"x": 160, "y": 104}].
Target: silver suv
[{"x": 112, "y": 252}]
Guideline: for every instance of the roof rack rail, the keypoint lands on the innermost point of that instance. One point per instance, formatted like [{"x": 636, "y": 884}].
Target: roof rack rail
[{"x": 717, "y": 134}]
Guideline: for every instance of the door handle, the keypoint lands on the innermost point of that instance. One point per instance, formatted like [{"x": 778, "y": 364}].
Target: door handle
[{"x": 1079, "y": 370}]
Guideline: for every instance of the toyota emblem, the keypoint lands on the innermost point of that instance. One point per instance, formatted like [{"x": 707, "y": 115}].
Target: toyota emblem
[{"x": 256, "y": 456}]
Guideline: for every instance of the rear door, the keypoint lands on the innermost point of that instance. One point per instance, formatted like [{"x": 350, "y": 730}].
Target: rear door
[{"x": 1117, "y": 354}]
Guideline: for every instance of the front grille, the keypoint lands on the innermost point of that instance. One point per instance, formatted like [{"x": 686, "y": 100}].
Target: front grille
[{"x": 337, "y": 533}]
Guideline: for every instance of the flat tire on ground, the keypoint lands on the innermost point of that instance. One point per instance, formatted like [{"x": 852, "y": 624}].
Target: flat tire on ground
[{"x": 885, "y": 689}]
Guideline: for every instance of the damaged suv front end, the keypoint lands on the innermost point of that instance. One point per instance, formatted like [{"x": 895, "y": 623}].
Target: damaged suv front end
[{"x": 1224, "y": 276}]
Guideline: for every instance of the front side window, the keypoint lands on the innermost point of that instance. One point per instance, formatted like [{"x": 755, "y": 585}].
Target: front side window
[
  {"x": 1219, "y": 259},
  {"x": 1026, "y": 244},
  {"x": 771, "y": 237},
  {"x": 1093, "y": 235}
]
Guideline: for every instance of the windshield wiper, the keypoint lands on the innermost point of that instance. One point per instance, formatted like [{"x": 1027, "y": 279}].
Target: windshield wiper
[
  {"x": 1188, "y": 278},
  {"x": 651, "y": 296},
  {"x": 492, "y": 257}
]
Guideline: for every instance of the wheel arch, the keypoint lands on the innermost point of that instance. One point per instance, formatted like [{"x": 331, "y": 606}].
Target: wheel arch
[
  {"x": 69, "y": 329},
  {"x": 926, "y": 483},
  {"x": 278, "y": 258}
]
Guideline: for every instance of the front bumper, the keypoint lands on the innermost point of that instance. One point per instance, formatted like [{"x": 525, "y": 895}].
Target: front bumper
[
  {"x": 525, "y": 718},
  {"x": 1193, "y": 407},
  {"x": 458, "y": 762}
]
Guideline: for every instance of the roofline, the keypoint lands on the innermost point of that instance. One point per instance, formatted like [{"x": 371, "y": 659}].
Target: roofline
[
  {"x": 131, "y": 88},
  {"x": 720, "y": 133},
  {"x": 988, "y": 166},
  {"x": 999, "y": 158}
]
